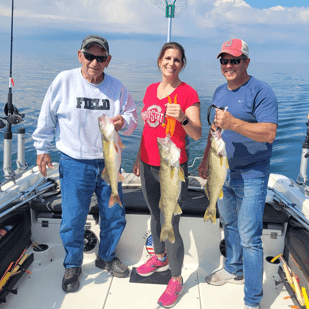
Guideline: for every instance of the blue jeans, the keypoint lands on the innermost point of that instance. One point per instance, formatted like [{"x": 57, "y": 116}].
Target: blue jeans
[
  {"x": 79, "y": 179},
  {"x": 241, "y": 212}
]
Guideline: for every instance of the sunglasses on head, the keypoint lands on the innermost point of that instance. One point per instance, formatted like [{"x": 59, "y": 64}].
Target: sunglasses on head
[
  {"x": 232, "y": 61},
  {"x": 91, "y": 57}
]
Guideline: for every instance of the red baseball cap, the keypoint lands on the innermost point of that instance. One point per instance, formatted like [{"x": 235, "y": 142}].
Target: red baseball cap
[{"x": 234, "y": 47}]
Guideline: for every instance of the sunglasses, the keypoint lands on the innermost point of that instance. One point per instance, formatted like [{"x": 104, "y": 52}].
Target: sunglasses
[
  {"x": 231, "y": 61},
  {"x": 91, "y": 57}
]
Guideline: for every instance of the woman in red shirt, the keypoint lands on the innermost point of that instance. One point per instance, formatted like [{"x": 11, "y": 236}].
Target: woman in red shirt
[{"x": 171, "y": 61}]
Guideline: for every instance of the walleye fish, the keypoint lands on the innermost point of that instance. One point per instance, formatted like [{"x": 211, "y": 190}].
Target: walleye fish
[
  {"x": 217, "y": 170},
  {"x": 171, "y": 175},
  {"x": 112, "y": 147}
]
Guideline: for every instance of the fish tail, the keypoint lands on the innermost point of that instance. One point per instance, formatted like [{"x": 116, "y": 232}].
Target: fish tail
[
  {"x": 210, "y": 214},
  {"x": 113, "y": 200},
  {"x": 167, "y": 234}
]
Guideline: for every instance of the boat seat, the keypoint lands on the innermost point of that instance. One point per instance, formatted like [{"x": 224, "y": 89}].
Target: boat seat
[
  {"x": 134, "y": 202},
  {"x": 273, "y": 215},
  {"x": 195, "y": 205},
  {"x": 53, "y": 204}
]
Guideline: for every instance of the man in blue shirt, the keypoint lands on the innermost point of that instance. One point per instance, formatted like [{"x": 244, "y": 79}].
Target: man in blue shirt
[{"x": 250, "y": 126}]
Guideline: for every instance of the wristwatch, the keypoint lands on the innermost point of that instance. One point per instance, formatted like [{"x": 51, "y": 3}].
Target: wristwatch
[{"x": 185, "y": 121}]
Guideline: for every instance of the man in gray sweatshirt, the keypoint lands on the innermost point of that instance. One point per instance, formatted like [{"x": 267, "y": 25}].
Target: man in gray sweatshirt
[{"x": 69, "y": 115}]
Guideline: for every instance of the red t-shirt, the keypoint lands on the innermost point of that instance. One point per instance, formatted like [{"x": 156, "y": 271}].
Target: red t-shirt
[{"x": 153, "y": 116}]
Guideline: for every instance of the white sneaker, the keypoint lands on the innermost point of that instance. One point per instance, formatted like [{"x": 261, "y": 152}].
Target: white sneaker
[
  {"x": 221, "y": 277},
  {"x": 249, "y": 307}
]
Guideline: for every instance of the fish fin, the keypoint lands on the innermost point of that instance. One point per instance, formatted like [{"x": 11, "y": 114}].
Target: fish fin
[
  {"x": 221, "y": 195},
  {"x": 206, "y": 190},
  {"x": 167, "y": 234},
  {"x": 113, "y": 200},
  {"x": 210, "y": 214},
  {"x": 105, "y": 177},
  {"x": 121, "y": 145},
  {"x": 182, "y": 175},
  {"x": 116, "y": 147},
  {"x": 178, "y": 210},
  {"x": 120, "y": 178},
  {"x": 172, "y": 172}
]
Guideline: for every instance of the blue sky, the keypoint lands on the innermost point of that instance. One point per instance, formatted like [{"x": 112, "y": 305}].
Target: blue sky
[
  {"x": 271, "y": 3},
  {"x": 275, "y": 30}
]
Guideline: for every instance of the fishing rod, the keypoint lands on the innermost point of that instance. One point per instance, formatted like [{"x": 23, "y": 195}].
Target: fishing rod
[{"x": 13, "y": 117}]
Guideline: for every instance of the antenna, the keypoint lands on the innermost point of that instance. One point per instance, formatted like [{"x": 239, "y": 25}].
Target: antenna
[{"x": 171, "y": 10}]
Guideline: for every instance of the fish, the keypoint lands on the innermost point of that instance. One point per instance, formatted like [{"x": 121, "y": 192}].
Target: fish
[
  {"x": 112, "y": 148},
  {"x": 217, "y": 171},
  {"x": 171, "y": 175}
]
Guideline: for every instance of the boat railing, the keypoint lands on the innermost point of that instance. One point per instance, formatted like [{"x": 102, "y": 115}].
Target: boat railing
[{"x": 290, "y": 208}]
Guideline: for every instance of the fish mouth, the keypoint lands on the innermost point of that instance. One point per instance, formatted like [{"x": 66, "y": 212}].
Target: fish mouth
[{"x": 169, "y": 152}]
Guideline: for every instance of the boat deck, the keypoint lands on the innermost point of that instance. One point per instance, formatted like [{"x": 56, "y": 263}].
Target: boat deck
[
  {"x": 99, "y": 290},
  {"x": 42, "y": 288}
]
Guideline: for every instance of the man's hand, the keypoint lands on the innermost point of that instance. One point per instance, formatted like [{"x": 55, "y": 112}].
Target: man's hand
[
  {"x": 118, "y": 122},
  {"x": 42, "y": 161},
  {"x": 223, "y": 119},
  {"x": 203, "y": 169}
]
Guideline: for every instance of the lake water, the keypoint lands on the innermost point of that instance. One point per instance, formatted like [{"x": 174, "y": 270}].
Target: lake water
[{"x": 290, "y": 82}]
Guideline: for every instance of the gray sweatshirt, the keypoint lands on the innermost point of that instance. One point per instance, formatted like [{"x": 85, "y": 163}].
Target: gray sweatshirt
[{"x": 70, "y": 111}]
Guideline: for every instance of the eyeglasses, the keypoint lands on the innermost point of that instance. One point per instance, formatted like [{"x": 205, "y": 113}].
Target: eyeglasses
[
  {"x": 231, "y": 61},
  {"x": 91, "y": 57}
]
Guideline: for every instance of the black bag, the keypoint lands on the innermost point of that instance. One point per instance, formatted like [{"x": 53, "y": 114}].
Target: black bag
[
  {"x": 17, "y": 239},
  {"x": 296, "y": 251},
  {"x": 12, "y": 245}
]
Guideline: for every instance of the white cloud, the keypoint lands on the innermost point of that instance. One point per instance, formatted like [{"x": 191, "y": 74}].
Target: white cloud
[{"x": 203, "y": 18}]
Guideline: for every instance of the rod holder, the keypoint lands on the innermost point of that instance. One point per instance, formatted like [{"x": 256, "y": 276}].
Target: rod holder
[
  {"x": 302, "y": 178},
  {"x": 21, "y": 160},
  {"x": 7, "y": 155}
]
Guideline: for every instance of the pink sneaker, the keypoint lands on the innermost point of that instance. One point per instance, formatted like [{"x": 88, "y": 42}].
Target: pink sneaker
[
  {"x": 169, "y": 297},
  {"x": 152, "y": 265}
]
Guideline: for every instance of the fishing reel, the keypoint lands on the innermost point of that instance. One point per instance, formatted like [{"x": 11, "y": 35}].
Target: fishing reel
[{"x": 12, "y": 118}]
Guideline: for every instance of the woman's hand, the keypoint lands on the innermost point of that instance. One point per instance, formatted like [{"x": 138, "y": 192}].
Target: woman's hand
[
  {"x": 136, "y": 167},
  {"x": 203, "y": 169},
  {"x": 174, "y": 110}
]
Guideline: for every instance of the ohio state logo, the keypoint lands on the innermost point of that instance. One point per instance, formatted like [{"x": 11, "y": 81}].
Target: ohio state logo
[{"x": 153, "y": 116}]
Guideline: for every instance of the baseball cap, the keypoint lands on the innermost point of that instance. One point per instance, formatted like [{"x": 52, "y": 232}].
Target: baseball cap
[
  {"x": 234, "y": 47},
  {"x": 96, "y": 39}
]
